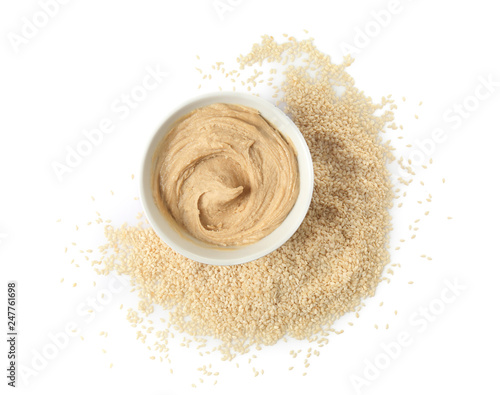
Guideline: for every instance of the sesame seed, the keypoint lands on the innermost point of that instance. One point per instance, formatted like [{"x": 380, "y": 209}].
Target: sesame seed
[{"x": 238, "y": 304}]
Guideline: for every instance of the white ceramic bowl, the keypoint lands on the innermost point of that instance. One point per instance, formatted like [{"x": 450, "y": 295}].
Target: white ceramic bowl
[{"x": 194, "y": 249}]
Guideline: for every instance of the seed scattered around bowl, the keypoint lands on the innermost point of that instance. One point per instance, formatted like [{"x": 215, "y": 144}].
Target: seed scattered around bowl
[{"x": 327, "y": 256}]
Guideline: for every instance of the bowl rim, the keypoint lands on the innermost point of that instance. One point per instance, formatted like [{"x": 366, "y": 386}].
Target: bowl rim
[{"x": 306, "y": 179}]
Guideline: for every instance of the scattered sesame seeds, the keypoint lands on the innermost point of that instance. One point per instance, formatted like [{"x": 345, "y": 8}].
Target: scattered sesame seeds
[{"x": 167, "y": 279}]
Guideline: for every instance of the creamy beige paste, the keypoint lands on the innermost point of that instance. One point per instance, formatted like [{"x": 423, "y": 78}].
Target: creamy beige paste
[{"x": 225, "y": 175}]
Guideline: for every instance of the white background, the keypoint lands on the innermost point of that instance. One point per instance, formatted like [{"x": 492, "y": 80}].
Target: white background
[{"x": 65, "y": 79}]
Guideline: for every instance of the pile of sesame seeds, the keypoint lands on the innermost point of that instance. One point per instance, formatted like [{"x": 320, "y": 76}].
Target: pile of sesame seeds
[{"x": 330, "y": 264}]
